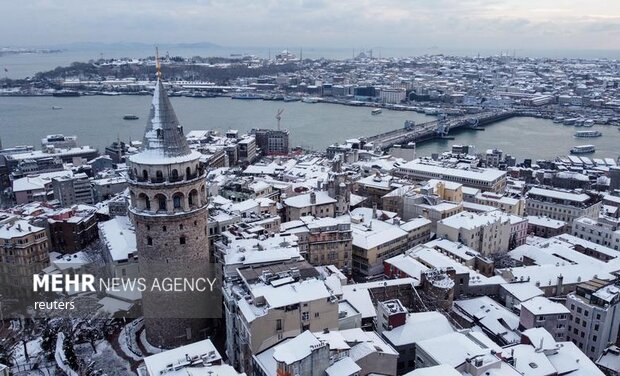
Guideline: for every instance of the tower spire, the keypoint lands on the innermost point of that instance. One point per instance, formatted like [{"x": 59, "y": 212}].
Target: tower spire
[{"x": 157, "y": 63}]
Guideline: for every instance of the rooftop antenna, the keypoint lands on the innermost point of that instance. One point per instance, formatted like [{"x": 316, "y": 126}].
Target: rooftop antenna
[
  {"x": 157, "y": 64},
  {"x": 279, "y": 116}
]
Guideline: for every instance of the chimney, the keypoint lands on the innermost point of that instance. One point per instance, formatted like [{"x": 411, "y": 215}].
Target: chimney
[
  {"x": 312, "y": 198},
  {"x": 374, "y": 211},
  {"x": 558, "y": 290}
]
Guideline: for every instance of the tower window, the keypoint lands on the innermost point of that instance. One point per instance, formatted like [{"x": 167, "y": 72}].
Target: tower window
[
  {"x": 180, "y": 227},
  {"x": 145, "y": 174},
  {"x": 175, "y": 174},
  {"x": 188, "y": 172},
  {"x": 182, "y": 240},
  {"x": 161, "y": 200},
  {"x": 159, "y": 175},
  {"x": 176, "y": 200},
  {"x": 163, "y": 228},
  {"x": 149, "y": 240}
]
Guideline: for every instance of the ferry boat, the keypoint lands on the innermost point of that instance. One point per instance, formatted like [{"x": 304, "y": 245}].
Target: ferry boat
[
  {"x": 246, "y": 96},
  {"x": 376, "y": 111},
  {"x": 587, "y": 134},
  {"x": 130, "y": 117},
  {"x": 56, "y": 108},
  {"x": 583, "y": 149}
]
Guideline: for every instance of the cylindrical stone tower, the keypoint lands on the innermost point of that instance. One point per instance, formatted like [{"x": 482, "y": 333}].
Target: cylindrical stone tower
[{"x": 169, "y": 208}]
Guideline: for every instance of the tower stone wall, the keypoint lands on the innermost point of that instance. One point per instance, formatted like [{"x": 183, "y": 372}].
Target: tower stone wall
[{"x": 168, "y": 203}]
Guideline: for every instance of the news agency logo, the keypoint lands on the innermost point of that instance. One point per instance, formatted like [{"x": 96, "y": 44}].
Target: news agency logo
[{"x": 89, "y": 283}]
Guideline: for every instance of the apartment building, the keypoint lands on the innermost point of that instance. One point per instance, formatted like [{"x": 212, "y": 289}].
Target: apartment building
[
  {"x": 594, "y": 316},
  {"x": 561, "y": 205}
]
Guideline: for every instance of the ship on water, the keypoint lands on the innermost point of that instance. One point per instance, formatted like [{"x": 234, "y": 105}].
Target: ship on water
[
  {"x": 130, "y": 117},
  {"x": 376, "y": 111},
  {"x": 247, "y": 96},
  {"x": 583, "y": 149},
  {"x": 588, "y": 134}
]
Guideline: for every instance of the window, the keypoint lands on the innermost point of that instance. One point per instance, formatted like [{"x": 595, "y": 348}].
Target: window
[
  {"x": 163, "y": 228},
  {"x": 596, "y": 327},
  {"x": 149, "y": 240},
  {"x": 316, "y": 314},
  {"x": 278, "y": 322},
  {"x": 176, "y": 201},
  {"x": 182, "y": 240},
  {"x": 180, "y": 227},
  {"x": 305, "y": 316},
  {"x": 161, "y": 201}
]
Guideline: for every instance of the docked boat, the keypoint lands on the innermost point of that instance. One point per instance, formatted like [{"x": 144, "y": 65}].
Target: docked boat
[
  {"x": 291, "y": 98},
  {"x": 558, "y": 119},
  {"x": 583, "y": 149},
  {"x": 246, "y": 96},
  {"x": 588, "y": 123},
  {"x": 570, "y": 121},
  {"x": 276, "y": 97},
  {"x": 310, "y": 100},
  {"x": 130, "y": 117},
  {"x": 66, "y": 93},
  {"x": 376, "y": 111},
  {"x": 588, "y": 134}
]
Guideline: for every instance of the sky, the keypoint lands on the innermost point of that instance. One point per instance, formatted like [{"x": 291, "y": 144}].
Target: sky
[{"x": 493, "y": 24}]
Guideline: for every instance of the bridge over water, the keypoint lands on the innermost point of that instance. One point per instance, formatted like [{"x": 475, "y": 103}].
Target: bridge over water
[{"x": 440, "y": 128}]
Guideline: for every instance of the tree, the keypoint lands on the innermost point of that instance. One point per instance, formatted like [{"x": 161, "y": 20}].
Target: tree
[
  {"x": 48, "y": 341},
  {"x": 5, "y": 355},
  {"x": 67, "y": 348}
]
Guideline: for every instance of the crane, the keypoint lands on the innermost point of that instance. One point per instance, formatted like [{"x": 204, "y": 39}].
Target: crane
[{"x": 279, "y": 116}]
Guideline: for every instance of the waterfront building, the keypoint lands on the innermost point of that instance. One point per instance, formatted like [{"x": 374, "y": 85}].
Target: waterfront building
[{"x": 481, "y": 178}]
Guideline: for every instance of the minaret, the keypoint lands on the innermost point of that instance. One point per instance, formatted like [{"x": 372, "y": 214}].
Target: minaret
[{"x": 169, "y": 208}]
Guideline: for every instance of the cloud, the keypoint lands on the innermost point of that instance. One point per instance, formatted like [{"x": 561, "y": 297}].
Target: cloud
[{"x": 316, "y": 23}]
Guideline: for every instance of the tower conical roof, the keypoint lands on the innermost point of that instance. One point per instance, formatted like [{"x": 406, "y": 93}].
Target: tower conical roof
[{"x": 163, "y": 131}]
